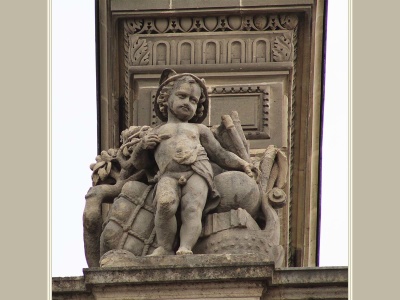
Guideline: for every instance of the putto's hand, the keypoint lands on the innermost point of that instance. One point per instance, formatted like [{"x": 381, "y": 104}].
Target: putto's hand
[
  {"x": 248, "y": 170},
  {"x": 150, "y": 141}
]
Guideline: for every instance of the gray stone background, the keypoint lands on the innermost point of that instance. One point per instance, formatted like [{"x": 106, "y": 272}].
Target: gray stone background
[{"x": 74, "y": 133}]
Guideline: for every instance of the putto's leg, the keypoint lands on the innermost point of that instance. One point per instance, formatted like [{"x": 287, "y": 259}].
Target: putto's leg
[
  {"x": 194, "y": 196},
  {"x": 167, "y": 198}
]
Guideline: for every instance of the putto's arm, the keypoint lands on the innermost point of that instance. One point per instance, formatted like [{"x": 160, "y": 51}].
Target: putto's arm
[
  {"x": 218, "y": 154},
  {"x": 137, "y": 153},
  {"x": 142, "y": 156}
]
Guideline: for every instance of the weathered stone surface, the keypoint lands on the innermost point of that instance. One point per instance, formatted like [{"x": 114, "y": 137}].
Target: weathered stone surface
[
  {"x": 308, "y": 283},
  {"x": 70, "y": 288},
  {"x": 191, "y": 268},
  {"x": 238, "y": 191},
  {"x": 117, "y": 258},
  {"x": 193, "y": 291},
  {"x": 217, "y": 222}
]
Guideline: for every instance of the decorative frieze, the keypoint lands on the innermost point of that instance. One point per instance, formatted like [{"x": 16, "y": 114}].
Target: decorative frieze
[
  {"x": 216, "y": 48},
  {"x": 212, "y": 24}
]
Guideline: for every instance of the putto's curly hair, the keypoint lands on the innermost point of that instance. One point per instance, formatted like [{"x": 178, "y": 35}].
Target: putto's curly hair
[{"x": 166, "y": 89}]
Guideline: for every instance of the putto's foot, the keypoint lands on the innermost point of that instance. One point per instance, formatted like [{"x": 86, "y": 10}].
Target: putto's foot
[
  {"x": 161, "y": 251},
  {"x": 183, "y": 251}
]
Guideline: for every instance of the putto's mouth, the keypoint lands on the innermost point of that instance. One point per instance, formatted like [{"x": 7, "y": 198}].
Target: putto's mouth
[{"x": 185, "y": 107}]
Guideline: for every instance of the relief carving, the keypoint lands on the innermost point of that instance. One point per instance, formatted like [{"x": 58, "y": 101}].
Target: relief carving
[
  {"x": 138, "y": 51},
  {"x": 211, "y": 52},
  {"x": 282, "y": 48},
  {"x": 161, "y": 53},
  {"x": 185, "y": 52},
  {"x": 226, "y": 49},
  {"x": 236, "y": 51},
  {"x": 213, "y": 24},
  {"x": 221, "y": 49},
  {"x": 261, "y": 50}
]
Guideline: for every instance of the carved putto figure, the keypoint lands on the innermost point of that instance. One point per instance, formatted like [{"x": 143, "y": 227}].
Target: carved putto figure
[{"x": 181, "y": 188}]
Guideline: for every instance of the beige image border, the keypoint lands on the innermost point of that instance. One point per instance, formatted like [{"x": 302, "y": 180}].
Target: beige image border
[{"x": 374, "y": 142}]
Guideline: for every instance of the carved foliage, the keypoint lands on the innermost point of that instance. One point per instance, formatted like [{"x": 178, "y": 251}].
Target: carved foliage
[
  {"x": 138, "y": 51},
  {"x": 282, "y": 48}
]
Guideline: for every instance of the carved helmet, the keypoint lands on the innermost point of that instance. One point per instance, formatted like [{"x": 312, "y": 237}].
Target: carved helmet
[{"x": 169, "y": 75}]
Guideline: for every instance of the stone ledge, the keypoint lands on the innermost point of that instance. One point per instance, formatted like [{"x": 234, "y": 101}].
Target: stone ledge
[
  {"x": 240, "y": 290},
  {"x": 193, "y": 277},
  {"x": 306, "y": 293},
  {"x": 172, "y": 5},
  {"x": 189, "y": 268},
  {"x": 69, "y": 284},
  {"x": 337, "y": 276}
]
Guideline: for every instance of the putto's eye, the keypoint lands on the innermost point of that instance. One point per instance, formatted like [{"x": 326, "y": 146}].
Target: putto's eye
[{"x": 181, "y": 96}]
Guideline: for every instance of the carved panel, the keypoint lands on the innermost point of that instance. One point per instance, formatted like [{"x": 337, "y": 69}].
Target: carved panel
[
  {"x": 251, "y": 101},
  {"x": 213, "y": 48}
]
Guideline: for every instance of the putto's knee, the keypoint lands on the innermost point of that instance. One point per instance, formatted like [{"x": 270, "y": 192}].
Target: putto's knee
[
  {"x": 166, "y": 199},
  {"x": 192, "y": 212},
  {"x": 166, "y": 204},
  {"x": 166, "y": 207}
]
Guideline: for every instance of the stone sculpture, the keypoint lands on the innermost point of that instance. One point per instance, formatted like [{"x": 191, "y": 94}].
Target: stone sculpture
[{"x": 181, "y": 177}]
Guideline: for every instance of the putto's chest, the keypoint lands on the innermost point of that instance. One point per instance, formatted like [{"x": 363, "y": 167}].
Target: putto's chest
[{"x": 178, "y": 131}]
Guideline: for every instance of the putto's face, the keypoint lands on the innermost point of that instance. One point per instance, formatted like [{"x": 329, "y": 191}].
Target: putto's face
[{"x": 183, "y": 100}]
